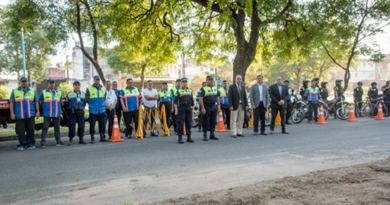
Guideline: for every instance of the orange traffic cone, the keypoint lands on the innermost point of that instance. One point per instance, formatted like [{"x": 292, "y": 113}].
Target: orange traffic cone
[
  {"x": 116, "y": 135},
  {"x": 184, "y": 127},
  {"x": 380, "y": 113},
  {"x": 322, "y": 117},
  {"x": 221, "y": 124},
  {"x": 352, "y": 114}
]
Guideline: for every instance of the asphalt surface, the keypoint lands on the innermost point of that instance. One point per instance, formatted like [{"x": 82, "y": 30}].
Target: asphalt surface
[{"x": 158, "y": 168}]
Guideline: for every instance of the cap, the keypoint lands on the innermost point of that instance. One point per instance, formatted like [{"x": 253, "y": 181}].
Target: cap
[
  {"x": 209, "y": 77},
  {"x": 178, "y": 79},
  {"x": 76, "y": 82},
  {"x": 96, "y": 77},
  {"x": 23, "y": 79},
  {"x": 50, "y": 80},
  {"x": 164, "y": 82},
  {"x": 243, "y": 83},
  {"x": 184, "y": 80}
]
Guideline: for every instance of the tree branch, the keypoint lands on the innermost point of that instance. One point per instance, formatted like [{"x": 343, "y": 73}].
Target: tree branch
[{"x": 331, "y": 57}]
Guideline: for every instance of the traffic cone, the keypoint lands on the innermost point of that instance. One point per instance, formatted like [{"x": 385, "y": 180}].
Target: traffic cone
[
  {"x": 321, "y": 119},
  {"x": 352, "y": 114},
  {"x": 139, "y": 133},
  {"x": 250, "y": 124},
  {"x": 221, "y": 124},
  {"x": 116, "y": 135},
  {"x": 184, "y": 128},
  {"x": 380, "y": 113}
]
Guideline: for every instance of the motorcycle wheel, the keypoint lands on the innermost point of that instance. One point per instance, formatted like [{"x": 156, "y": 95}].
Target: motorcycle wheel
[
  {"x": 370, "y": 111},
  {"x": 326, "y": 113},
  {"x": 298, "y": 116},
  {"x": 341, "y": 115}
]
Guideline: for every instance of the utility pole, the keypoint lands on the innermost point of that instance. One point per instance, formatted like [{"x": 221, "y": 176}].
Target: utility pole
[
  {"x": 216, "y": 78},
  {"x": 183, "y": 65},
  {"x": 67, "y": 69},
  {"x": 24, "y": 63}
]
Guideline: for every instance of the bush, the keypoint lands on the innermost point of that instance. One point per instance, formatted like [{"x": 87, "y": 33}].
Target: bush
[
  {"x": 65, "y": 88},
  {"x": 4, "y": 92}
]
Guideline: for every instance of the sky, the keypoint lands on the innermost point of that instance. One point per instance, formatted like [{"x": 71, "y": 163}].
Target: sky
[{"x": 382, "y": 39}]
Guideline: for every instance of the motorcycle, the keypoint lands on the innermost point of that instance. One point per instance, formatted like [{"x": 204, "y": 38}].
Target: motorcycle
[
  {"x": 338, "y": 107},
  {"x": 301, "y": 108},
  {"x": 196, "y": 116}
]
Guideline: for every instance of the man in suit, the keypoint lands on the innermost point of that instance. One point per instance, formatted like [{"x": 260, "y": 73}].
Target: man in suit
[
  {"x": 238, "y": 104},
  {"x": 279, "y": 96},
  {"x": 259, "y": 99}
]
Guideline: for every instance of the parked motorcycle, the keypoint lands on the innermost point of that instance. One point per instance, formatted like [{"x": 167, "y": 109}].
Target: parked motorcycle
[
  {"x": 196, "y": 116},
  {"x": 301, "y": 108},
  {"x": 340, "y": 107}
]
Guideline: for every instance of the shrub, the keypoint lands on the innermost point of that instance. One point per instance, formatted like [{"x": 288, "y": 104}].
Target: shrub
[
  {"x": 4, "y": 92},
  {"x": 65, "y": 88}
]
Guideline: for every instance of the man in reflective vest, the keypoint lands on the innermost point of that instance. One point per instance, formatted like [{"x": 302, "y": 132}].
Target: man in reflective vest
[
  {"x": 131, "y": 99},
  {"x": 208, "y": 97},
  {"x": 24, "y": 108},
  {"x": 200, "y": 109},
  {"x": 50, "y": 100},
  {"x": 289, "y": 103},
  {"x": 165, "y": 98},
  {"x": 223, "y": 100},
  {"x": 96, "y": 95},
  {"x": 75, "y": 104},
  {"x": 174, "y": 91},
  {"x": 184, "y": 108},
  {"x": 312, "y": 94}
]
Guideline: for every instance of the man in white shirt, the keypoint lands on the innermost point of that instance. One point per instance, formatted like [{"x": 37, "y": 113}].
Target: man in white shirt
[
  {"x": 150, "y": 96},
  {"x": 110, "y": 102}
]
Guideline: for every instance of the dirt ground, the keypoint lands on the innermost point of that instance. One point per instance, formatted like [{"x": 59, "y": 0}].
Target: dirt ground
[{"x": 367, "y": 183}]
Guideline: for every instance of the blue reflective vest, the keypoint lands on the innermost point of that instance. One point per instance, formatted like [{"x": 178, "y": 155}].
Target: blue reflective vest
[
  {"x": 96, "y": 99},
  {"x": 75, "y": 101},
  {"x": 24, "y": 103}
]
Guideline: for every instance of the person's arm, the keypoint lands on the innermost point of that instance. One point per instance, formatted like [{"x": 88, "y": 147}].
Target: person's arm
[
  {"x": 37, "y": 114},
  {"x": 193, "y": 104},
  {"x": 11, "y": 108},
  {"x": 307, "y": 93},
  {"x": 176, "y": 100},
  {"x": 87, "y": 96},
  {"x": 201, "y": 101},
  {"x": 286, "y": 96},
  {"x": 113, "y": 105},
  {"x": 121, "y": 94},
  {"x": 266, "y": 98},
  {"x": 218, "y": 102},
  {"x": 354, "y": 93},
  {"x": 105, "y": 104},
  {"x": 230, "y": 97},
  {"x": 271, "y": 94},
  {"x": 41, "y": 99},
  {"x": 335, "y": 92},
  {"x": 251, "y": 91}
]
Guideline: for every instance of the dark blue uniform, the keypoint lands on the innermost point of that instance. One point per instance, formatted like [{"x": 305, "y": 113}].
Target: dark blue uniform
[
  {"x": 184, "y": 96},
  {"x": 165, "y": 98},
  {"x": 209, "y": 119},
  {"x": 75, "y": 104},
  {"x": 386, "y": 94}
]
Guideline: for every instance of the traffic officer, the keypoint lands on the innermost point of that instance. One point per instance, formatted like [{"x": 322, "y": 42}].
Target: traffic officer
[
  {"x": 75, "y": 104},
  {"x": 302, "y": 91},
  {"x": 95, "y": 96},
  {"x": 358, "y": 96},
  {"x": 50, "y": 100},
  {"x": 324, "y": 91},
  {"x": 386, "y": 92},
  {"x": 165, "y": 98},
  {"x": 338, "y": 92},
  {"x": 200, "y": 109},
  {"x": 24, "y": 108},
  {"x": 223, "y": 101},
  {"x": 174, "y": 91},
  {"x": 184, "y": 108},
  {"x": 131, "y": 99},
  {"x": 312, "y": 94},
  {"x": 208, "y": 97},
  {"x": 289, "y": 103},
  {"x": 317, "y": 82}
]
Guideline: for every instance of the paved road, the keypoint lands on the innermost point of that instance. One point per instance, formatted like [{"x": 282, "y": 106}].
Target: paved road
[{"x": 157, "y": 168}]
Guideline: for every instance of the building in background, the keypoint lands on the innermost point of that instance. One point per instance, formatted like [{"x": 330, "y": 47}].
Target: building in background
[{"x": 192, "y": 69}]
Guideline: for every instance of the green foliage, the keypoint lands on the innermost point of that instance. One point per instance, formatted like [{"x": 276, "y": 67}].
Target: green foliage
[
  {"x": 276, "y": 188},
  {"x": 4, "y": 93},
  {"x": 65, "y": 88}
]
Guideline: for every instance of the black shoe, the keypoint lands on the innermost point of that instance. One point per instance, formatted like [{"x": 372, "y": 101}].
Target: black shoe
[
  {"x": 92, "y": 139},
  {"x": 81, "y": 141},
  {"x": 103, "y": 138},
  {"x": 205, "y": 136},
  {"x": 309, "y": 121},
  {"x": 288, "y": 123},
  {"x": 153, "y": 135},
  {"x": 212, "y": 136},
  {"x": 189, "y": 139},
  {"x": 70, "y": 142},
  {"x": 180, "y": 141}
]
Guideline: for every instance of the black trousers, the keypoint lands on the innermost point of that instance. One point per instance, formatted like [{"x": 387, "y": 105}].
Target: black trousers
[
  {"x": 226, "y": 111},
  {"x": 259, "y": 113},
  {"x": 288, "y": 110},
  {"x": 313, "y": 106},
  {"x": 118, "y": 112},
  {"x": 129, "y": 117},
  {"x": 274, "y": 114},
  {"x": 22, "y": 127}
]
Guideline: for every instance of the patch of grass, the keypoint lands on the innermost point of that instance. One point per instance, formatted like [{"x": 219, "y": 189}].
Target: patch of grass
[{"x": 276, "y": 189}]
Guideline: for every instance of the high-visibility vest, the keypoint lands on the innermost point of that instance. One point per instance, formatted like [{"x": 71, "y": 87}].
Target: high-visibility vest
[
  {"x": 75, "y": 101},
  {"x": 96, "y": 99},
  {"x": 24, "y": 103},
  {"x": 223, "y": 98},
  {"x": 313, "y": 90},
  {"x": 164, "y": 96},
  {"x": 210, "y": 94},
  {"x": 51, "y": 105},
  {"x": 131, "y": 98}
]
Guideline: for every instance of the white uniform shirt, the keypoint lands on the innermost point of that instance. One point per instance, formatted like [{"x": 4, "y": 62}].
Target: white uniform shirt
[
  {"x": 110, "y": 97},
  {"x": 150, "y": 93}
]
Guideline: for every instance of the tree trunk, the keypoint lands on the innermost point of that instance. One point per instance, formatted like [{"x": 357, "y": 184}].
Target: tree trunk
[
  {"x": 298, "y": 76},
  {"x": 141, "y": 88}
]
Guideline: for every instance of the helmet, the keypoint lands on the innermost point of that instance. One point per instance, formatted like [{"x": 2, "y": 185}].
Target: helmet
[
  {"x": 339, "y": 81},
  {"x": 373, "y": 83},
  {"x": 360, "y": 83},
  {"x": 306, "y": 81},
  {"x": 324, "y": 82},
  {"x": 316, "y": 78}
]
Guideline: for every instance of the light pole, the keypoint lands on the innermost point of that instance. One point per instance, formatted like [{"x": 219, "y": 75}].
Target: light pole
[{"x": 24, "y": 63}]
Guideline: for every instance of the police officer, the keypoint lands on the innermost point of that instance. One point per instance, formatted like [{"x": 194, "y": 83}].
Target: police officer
[
  {"x": 324, "y": 91},
  {"x": 208, "y": 97},
  {"x": 200, "y": 109},
  {"x": 95, "y": 96},
  {"x": 317, "y": 82},
  {"x": 312, "y": 94},
  {"x": 184, "y": 108},
  {"x": 50, "y": 100},
  {"x": 358, "y": 96},
  {"x": 223, "y": 101},
  {"x": 165, "y": 98},
  {"x": 174, "y": 91},
  {"x": 373, "y": 93},
  {"x": 24, "y": 108},
  {"x": 302, "y": 91},
  {"x": 75, "y": 103},
  {"x": 338, "y": 92},
  {"x": 386, "y": 92},
  {"x": 289, "y": 103}
]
